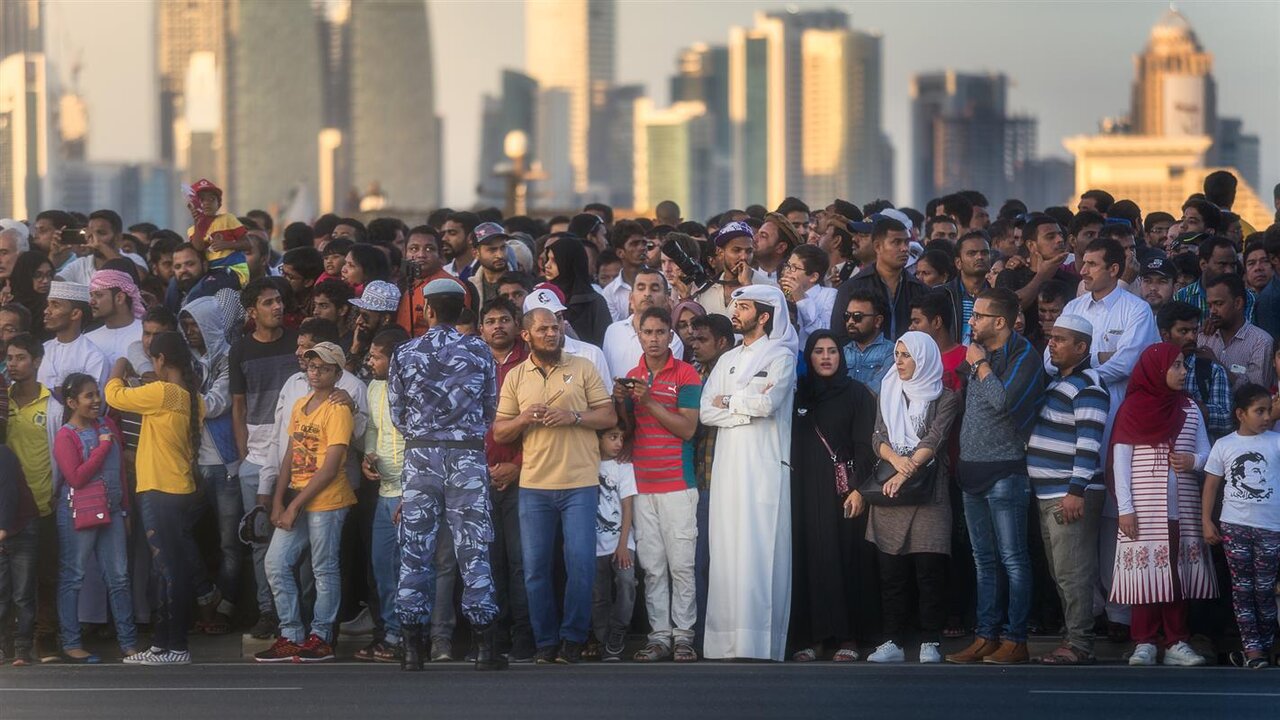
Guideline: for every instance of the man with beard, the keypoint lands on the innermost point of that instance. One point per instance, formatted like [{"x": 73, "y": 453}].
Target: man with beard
[
  {"x": 458, "y": 238},
  {"x": 375, "y": 310},
  {"x": 499, "y": 328},
  {"x": 115, "y": 301},
  {"x": 553, "y": 403},
  {"x": 887, "y": 277},
  {"x": 1242, "y": 347},
  {"x": 490, "y": 246},
  {"x": 70, "y": 350},
  {"x": 1207, "y": 381},
  {"x": 734, "y": 249},
  {"x": 748, "y": 397},
  {"x": 868, "y": 353},
  {"x": 192, "y": 279},
  {"x": 1157, "y": 279},
  {"x": 973, "y": 262},
  {"x": 622, "y": 347}
]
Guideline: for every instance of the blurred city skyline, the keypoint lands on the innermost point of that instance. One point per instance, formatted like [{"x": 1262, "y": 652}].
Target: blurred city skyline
[{"x": 1069, "y": 64}]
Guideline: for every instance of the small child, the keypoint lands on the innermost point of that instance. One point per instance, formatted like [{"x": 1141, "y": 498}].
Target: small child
[
  {"x": 615, "y": 550},
  {"x": 384, "y": 464},
  {"x": 1250, "y": 523},
  {"x": 220, "y": 236}
]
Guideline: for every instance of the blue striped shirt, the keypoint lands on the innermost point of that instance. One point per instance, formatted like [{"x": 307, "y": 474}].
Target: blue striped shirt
[{"x": 1064, "y": 450}]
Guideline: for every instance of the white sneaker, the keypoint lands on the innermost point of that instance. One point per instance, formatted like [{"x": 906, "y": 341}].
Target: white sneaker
[
  {"x": 141, "y": 658},
  {"x": 1143, "y": 654},
  {"x": 887, "y": 653},
  {"x": 929, "y": 653},
  {"x": 1182, "y": 655},
  {"x": 168, "y": 657}
]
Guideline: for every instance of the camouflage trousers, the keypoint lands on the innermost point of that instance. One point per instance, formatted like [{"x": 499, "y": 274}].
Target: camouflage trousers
[{"x": 452, "y": 484}]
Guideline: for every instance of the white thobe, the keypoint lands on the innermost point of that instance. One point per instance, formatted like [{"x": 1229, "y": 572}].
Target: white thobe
[{"x": 749, "y": 597}]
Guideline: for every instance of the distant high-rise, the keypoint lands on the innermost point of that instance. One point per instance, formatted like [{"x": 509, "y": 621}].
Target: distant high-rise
[
  {"x": 24, "y": 134},
  {"x": 515, "y": 109},
  {"x": 962, "y": 138},
  {"x": 569, "y": 45},
  {"x": 1233, "y": 147},
  {"x": 555, "y": 190},
  {"x": 844, "y": 153},
  {"x": 183, "y": 29},
  {"x": 672, "y": 153},
  {"x": 21, "y": 29},
  {"x": 617, "y": 130},
  {"x": 1174, "y": 92},
  {"x": 395, "y": 131},
  {"x": 702, "y": 75}
]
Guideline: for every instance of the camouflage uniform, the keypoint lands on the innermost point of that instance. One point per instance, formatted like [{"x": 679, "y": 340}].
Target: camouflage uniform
[{"x": 442, "y": 389}]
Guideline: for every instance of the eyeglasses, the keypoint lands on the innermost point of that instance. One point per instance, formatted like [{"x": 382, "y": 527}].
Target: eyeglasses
[
  {"x": 859, "y": 316},
  {"x": 977, "y": 314}
]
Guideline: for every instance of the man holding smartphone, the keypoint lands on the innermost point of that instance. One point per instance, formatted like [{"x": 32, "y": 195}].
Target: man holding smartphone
[{"x": 1063, "y": 462}]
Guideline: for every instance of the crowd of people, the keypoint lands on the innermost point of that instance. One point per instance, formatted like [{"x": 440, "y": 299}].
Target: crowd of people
[{"x": 813, "y": 433}]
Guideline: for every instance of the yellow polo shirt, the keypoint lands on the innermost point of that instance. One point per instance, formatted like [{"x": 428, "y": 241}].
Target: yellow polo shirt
[
  {"x": 29, "y": 440},
  {"x": 559, "y": 458}
]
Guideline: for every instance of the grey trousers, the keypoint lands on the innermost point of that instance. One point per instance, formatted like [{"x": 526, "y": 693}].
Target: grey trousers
[
  {"x": 610, "y": 612},
  {"x": 1072, "y": 552}
]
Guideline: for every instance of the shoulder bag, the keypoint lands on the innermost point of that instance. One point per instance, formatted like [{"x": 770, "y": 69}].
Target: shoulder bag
[
  {"x": 843, "y": 469},
  {"x": 917, "y": 490},
  {"x": 89, "y": 506}
]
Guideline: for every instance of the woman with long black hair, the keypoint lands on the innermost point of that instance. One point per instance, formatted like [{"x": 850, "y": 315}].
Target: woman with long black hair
[
  {"x": 586, "y": 310},
  {"x": 834, "y": 597},
  {"x": 171, "y": 412},
  {"x": 30, "y": 282}
]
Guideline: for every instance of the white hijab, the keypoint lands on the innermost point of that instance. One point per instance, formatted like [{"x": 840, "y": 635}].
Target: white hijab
[
  {"x": 783, "y": 339},
  {"x": 904, "y": 403}
]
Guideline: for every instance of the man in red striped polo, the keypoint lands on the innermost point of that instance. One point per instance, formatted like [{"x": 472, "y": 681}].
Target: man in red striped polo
[{"x": 663, "y": 396}]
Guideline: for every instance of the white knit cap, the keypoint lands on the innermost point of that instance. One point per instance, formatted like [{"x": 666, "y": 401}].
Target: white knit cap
[
  {"x": 59, "y": 290},
  {"x": 1074, "y": 323}
]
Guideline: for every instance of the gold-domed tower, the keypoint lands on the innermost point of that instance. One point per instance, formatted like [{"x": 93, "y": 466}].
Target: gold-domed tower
[{"x": 1173, "y": 91}]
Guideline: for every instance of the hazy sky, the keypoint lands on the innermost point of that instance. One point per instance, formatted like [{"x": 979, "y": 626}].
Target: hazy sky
[{"x": 1070, "y": 63}]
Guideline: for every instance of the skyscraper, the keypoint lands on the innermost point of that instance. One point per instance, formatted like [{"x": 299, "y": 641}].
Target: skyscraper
[
  {"x": 1173, "y": 90},
  {"x": 515, "y": 109},
  {"x": 184, "y": 28},
  {"x": 672, "y": 152},
  {"x": 569, "y": 45},
  {"x": 395, "y": 131},
  {"x": 24, "y": 134},
  {"x": 21, "y": 29},
  {"x": 702, "y": 75}
]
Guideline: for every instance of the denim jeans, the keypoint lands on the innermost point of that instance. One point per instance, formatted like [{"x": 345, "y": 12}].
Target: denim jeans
[
  {"x": 166, "y": 519},
  {"x": 249, "y": 474},
  {"x": 321, "y": 532},
  {"x": 997, "y": 521},
  {"x": 541, "y": 512},
  {"x": 18, "y": 586},
  {"x": 107, "y": 544},
  {"x": 386, "y": 565},
  {"x": 222, "y": 491}
]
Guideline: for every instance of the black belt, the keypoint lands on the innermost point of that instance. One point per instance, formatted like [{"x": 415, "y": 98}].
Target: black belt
[{"x": 412, "y": 444}]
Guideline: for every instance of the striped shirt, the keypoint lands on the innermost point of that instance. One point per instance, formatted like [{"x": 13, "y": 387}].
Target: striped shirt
[
  {"x": 664, "y": 462},
  {"x": 1063, "y": 453}
]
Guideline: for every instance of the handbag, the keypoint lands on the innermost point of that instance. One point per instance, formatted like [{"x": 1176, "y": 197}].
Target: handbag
[
  {"x": 843, "y": 470},
  {"x": 917, "y": 490},
  {"x": 89, "y": 506}
]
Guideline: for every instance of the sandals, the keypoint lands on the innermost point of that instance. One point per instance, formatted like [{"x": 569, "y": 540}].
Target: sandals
[
  {"x": 685, "y": 653},
  {"x": 592, "y": 650},
  {"x": 845, "y": 655},
  {"x": 379, "y": 651},
  {"x": 956, "y": 631},
  {"x": 805, "y": 655},
  {"x": 1068, "y": 655},
  {"x": 653, "y": 652}
]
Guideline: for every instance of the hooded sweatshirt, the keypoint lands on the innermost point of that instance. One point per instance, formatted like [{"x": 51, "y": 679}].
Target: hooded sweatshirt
[{"x": 217, "y": 446}]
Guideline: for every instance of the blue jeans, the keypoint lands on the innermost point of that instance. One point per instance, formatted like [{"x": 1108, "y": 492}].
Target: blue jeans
[
  {"x": 222, "y": 491},
  {"x": 249, "y": 473},
  {"x": 108, "y": 544},
  {"x": 18, "y": 586},
  {"x": 166, "y": 520},
  {"x": 320, "y": 531},
  {"x": 997, "y": 521},
  {"x": 386, "y": 565},
  {"x": 541, "y": 512}
]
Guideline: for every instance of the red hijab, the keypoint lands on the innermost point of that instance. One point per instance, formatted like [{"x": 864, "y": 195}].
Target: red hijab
[{"x": 1151, "y": 413}]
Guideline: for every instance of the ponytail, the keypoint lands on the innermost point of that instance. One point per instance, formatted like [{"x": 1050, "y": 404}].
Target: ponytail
[{"x": 177, "y": 354}]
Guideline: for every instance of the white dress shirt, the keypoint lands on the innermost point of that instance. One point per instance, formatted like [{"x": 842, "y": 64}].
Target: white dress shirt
[{"x": 622, "y": 347}]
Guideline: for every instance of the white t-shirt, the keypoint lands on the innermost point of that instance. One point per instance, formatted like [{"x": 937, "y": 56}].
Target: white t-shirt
[
  {"x": 617, "y": 481},
  {"x": 115, "y": 343},
  {"x": 78, "y": 356},
  {"x": 590, "y": 352},
  {"x": 81, "y": 270},
  {"x": 1246, "y": 464}
]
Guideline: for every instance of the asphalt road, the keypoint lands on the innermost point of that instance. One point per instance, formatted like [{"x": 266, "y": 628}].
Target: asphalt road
[{"x": 599, "y": 692}]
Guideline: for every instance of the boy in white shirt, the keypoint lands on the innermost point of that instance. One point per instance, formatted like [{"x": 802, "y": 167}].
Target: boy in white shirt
[{"x": 615, "y": 551}]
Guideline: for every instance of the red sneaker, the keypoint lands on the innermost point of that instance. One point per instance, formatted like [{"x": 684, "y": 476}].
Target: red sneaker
[
  {"x": 314, "y": 650},
  {"x": 282, "y": 651}
]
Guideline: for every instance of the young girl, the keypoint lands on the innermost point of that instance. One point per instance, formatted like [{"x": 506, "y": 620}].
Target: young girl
[
  {"x": 171, "y": 412},
  {"x": 1250, "y": 521},
  {"x": 87, "y": 450},
  {"x": 1158, "y": 444},
  {"x": 615, "y": 550}
]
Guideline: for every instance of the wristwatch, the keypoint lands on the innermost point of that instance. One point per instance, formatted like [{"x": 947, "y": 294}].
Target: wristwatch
[
  {"x": 973, "y": 366},
  {"x": 577, "y": 418}
]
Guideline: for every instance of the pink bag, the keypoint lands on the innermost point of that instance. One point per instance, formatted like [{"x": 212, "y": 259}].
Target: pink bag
[{"x": 89, "y": 506}]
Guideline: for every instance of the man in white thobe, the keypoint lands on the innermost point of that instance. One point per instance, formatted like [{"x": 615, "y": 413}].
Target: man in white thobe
[{"x": 748, "y": 396}]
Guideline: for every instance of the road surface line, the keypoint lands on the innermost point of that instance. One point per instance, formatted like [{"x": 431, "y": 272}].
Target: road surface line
[
  {"x": 143, "y": 689},
  {"x": 1151, "y": 692}
]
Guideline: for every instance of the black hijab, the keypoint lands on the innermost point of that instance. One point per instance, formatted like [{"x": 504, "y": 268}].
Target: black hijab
[
  {"x": 571, "y": 261},
  {"x": 813, "y": 389}
]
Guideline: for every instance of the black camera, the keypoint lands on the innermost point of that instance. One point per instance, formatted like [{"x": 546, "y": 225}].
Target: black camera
[{"x": 691, "y": 271}]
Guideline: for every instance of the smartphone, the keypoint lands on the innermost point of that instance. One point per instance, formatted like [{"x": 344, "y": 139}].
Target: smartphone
[
  {"x": 630, "y": 383},
  {"x": 72, "y": 236},
  {"x": 1058, "y": 517}
]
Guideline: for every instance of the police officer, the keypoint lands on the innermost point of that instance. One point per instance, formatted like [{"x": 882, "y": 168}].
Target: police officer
[{"x": 442, "y": 389}]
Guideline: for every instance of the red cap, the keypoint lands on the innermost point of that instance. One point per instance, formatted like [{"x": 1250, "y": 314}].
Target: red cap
[{"x": 203, "y": 185}]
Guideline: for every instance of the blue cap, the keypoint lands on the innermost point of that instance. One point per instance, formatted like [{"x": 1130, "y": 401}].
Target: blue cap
[
  {"x": 733, "y": 231},
  {"x": 443, "y": 286},
  {"x": 488, "y": 231},
  {"x": 378, "y": 296},
  {"x": 862, "y": 227}
]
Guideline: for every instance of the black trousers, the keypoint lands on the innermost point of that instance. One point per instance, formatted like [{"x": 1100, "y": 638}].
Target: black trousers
[{"x": 929, "y": 570}]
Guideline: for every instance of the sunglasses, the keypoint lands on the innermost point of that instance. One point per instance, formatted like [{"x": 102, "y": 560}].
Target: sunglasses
[{"x": 859, "y": 316}]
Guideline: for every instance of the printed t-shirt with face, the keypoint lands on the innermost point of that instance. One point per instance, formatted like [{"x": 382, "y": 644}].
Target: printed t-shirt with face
[
  {"x": 617, "y": 482},
  {"x": 313, "y": 437},
  {"x": 559, "y": 458},
  {"x": 1247, "y": 466}
]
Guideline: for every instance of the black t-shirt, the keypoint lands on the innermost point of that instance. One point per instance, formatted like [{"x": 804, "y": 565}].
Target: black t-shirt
[{"x": 259, "y": 371}]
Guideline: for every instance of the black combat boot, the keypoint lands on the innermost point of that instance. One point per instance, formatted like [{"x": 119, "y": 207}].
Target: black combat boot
[
  {"x": 487, "y": 657},
  {"x": 411, "y": 639}
]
